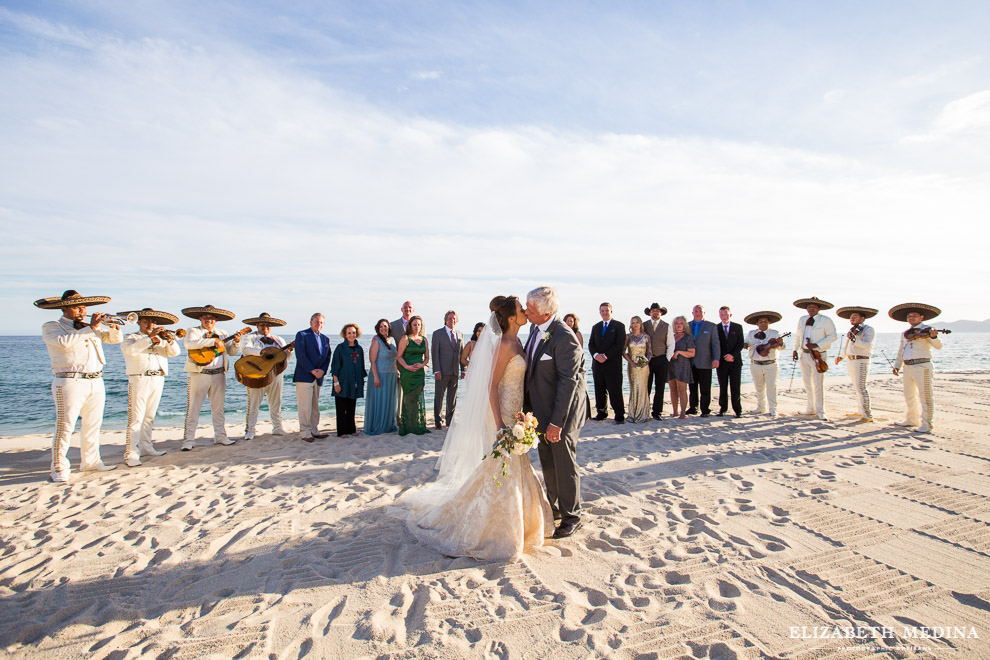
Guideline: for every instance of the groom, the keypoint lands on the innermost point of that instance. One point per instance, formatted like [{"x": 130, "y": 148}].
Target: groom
[{"x": 556, "y": 394}]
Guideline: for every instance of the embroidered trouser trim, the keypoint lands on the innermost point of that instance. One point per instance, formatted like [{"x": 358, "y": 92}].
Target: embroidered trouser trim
[
  {"x": 765, "y": 380},
  {"x": 859, "y": 371},
  {"x": 198, "y": 388},
  {"x": 254, "y": 396},
  {"x": 144, "y": 393},
  {"x": 919, "y": 393},
  {"x": 75, "y": 398},
  {"x": 814, "y": 383}
]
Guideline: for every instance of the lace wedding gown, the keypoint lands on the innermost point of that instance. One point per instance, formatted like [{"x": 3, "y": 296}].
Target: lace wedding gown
[{"x": 484, "y": 520}]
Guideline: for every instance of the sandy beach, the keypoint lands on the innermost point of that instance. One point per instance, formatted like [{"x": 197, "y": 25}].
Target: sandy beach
[{"x": 703, "y": 538}]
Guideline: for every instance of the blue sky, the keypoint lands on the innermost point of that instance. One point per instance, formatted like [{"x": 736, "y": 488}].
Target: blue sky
[{"x": 344, "y": 157}]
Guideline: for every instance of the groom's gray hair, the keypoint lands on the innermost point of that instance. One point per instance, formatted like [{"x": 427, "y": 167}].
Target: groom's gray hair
[{"x": 544, "y": 299}]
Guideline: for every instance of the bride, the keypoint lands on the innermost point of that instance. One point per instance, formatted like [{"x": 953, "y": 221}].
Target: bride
[{"x": 464, "y": 513}]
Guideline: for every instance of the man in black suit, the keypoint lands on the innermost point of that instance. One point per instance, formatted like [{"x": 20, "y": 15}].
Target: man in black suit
[
  {"x": 608, "y": 337},
  {"x": 706, "y": 354},
  {"x": 730, "y": 339}
]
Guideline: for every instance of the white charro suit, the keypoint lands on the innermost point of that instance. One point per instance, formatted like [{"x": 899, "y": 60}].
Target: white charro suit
[
  {"x": 77, "y": 363},
  {"x": 253, "y": 346},
  {"x": 919, "y": 374},
  {"x": 764, "y": 370},
  {"x": 823, "y": 334},
  {"x": 206, "y": 380},
  {"x": 146, "y": 364},
  {"x": 857, "y": 353}
]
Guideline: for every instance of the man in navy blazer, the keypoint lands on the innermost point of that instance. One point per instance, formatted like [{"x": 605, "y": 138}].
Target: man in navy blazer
[
  {"x": 312, "y": 349},
  {"x": 729, "y": 371},
  {"x": 607, "y": 341},
  {"x": 706, "y": 354}
]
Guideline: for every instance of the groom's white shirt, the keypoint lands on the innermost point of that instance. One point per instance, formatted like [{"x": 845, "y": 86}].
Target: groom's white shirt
[{"x": 542, "y": 328}]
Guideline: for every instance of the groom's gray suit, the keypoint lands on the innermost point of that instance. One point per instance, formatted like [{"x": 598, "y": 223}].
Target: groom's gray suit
[{"x": 556, "y": 394}]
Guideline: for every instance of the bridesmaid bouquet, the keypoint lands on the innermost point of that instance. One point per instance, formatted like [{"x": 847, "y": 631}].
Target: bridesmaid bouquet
[{"x": 516, "y": 439}]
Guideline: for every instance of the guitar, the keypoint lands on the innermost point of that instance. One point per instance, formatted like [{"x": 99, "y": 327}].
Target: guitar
[
  {"x": 777, "y": 342},
  {"x": 256, "y": 371},
  {"x": 203, "y": 356}
]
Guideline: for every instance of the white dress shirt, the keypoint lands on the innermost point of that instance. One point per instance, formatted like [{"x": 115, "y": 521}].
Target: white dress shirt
[
  {"x": 821, "y": 333},
  {"x": 141, "y": 355},
  {"x": 74, "y": 350},
  {"x": 862, "y": 343}
]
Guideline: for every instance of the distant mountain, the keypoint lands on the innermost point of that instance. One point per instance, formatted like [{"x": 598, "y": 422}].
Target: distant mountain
[{"x": 965, "y": 326}]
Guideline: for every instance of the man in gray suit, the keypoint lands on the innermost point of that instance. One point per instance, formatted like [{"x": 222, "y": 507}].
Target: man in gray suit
[
  {"x": 446, "y": 350},
  {"x": 556, "y": 394},
  {"x": 705, "y": 360}
]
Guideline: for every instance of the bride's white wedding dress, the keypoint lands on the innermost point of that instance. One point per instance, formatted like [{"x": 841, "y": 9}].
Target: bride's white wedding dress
[{"x": 483, "y": 520}]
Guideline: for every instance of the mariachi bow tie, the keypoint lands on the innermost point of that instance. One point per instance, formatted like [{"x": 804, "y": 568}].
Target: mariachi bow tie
[
  {"x": 268, "y": 340},
  {"x": 78, "y": 325}
]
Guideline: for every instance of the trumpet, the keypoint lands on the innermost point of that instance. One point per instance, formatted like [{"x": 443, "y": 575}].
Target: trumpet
[
  {"x": 169, "y": 335},
  {"x": 111, "y": 319}
]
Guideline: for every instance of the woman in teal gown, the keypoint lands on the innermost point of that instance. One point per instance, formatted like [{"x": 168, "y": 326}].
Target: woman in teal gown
[{"x": 382, "y": 398}]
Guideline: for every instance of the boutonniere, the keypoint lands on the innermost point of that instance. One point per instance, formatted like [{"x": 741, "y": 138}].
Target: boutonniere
[{"x": 547, "y": 336}]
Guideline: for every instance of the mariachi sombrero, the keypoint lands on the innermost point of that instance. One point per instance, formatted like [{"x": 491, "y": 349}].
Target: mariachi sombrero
[
  {"x": 264, "y": 317},
  {"x": 846, "y": 312},
  {"x": 70, "y": 298},
  {"x": 900, "y": 312},
  {"x": 663, "y": 310},
  {"x": 196, "y": 312},
  {"x": 813, "y": 300},
  {"x": 773, "y": 317},
  {"x": 161, "y": 318}
]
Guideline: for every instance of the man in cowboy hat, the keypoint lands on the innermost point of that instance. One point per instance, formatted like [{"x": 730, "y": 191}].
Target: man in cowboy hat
[
  {"x": 858, "y": 350},
  {"x": 817, "y": 332},
  {"x": 207, "y": 380},
  {"x": 915, "y": 356},
  {"x": 254, "y": 343},
  {"x": 76, "y": 351},
  {"x": 146, "y": 355},
  {"x": 662, "y": 344},
  {"x": 763, "y": 368}
]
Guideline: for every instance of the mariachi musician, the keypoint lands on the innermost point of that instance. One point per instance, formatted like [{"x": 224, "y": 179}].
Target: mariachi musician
[
  {"x": 858, "y": 350},
  {"x": 254, "y": 343},
  {"x": 207, "y": 380},
  {"x": 76, "y": 351},
  {"x": 146, "y": 353},
  {"x": 914, "y": 355},
  {"x": 764, "y": 368},
  {"x": 814, "y": 334}
]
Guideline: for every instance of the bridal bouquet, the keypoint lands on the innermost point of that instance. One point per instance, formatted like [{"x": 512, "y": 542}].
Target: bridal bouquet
[
  {"x": 516, "y": 439},
  {"x": 641, "y": 361}
]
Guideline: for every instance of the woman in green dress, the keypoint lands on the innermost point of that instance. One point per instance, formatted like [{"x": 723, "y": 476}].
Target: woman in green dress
[{"x": 413, "y": 358}]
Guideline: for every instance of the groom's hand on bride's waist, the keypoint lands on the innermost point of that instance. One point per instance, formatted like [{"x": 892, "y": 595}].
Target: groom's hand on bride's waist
[{"x": 553, "y": 433}]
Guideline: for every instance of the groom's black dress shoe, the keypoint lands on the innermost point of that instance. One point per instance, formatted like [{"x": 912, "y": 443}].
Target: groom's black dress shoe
[
  {"x": 721, "y": 413},
  {"x": 599, "y": 418},
  {"x": 566, "y": 529},
  {"x": 691, "y": 411}
]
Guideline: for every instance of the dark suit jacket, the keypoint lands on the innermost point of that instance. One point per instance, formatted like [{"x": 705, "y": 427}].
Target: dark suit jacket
[
  {"x": 731, "y": 344},
  {"x": 556, "y": 388},
  {"x": 706, "y": 345},
  {"x": 611, "y": 345},
  {"x": 308, "y": 357}
]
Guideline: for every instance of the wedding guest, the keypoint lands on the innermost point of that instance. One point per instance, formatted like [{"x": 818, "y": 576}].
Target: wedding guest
[
  {"x": 348, "y": 372},
  {"x": 607, "y": 339},
  {"x": 312, "y": 362},
  {"x": 680, "y": 371},
  {"x": 729, "y": 372},
  {"x": 447, "y": 343},
  {"x": 638, "y": 353},
  {"x": 398, "y": 330},
  {"x": 380, "y": 403},
  {"x": 413, "y": 358},
  {"x": 469, "y": 347},
  {"x": 707, "y": 352},
  {"x": 662, "y": 345},
  {"x": 572, "y": 322}
]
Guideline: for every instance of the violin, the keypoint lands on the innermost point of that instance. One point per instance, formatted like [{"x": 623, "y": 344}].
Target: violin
[
  {"x": 820, "y": 365},
  {"x": 776, "y": 342},
  {"x": 921, "y": 333}
]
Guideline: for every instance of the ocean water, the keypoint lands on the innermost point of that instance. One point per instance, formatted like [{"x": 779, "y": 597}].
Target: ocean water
[{"x": 26, "y": 400}]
